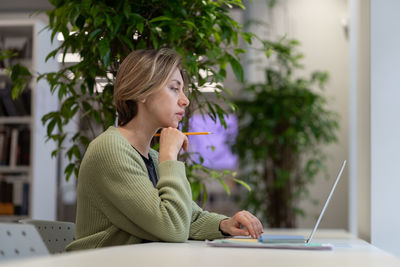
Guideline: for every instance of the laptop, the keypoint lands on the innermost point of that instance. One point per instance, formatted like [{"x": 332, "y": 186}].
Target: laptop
[{"x": 299, "y": 238}]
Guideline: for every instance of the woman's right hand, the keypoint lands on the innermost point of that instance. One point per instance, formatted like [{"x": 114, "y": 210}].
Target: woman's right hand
[{"x": 171, "y": 142}]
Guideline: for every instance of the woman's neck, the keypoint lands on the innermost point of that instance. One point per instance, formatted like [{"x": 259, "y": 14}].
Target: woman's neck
[{"x": 139, "y": 135}]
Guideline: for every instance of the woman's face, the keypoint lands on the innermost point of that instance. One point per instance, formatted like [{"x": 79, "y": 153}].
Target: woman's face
[{"x": 167, "y": 105}]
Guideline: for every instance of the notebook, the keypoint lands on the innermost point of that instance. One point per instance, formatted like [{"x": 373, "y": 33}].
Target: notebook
[
  {"x": 253, "y": 243},
  {"x": 283, "y": 241}
]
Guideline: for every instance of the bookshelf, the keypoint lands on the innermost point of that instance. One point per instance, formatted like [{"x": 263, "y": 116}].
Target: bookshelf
[{"x": 28, "y": 185}]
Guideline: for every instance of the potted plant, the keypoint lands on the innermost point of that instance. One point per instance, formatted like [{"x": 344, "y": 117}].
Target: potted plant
[
  {"x": 103, "y": 33},
  {"x": 283, "y": 124}
]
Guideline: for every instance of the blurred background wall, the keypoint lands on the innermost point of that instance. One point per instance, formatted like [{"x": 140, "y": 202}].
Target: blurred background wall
[{"x": 321, "y": 27}]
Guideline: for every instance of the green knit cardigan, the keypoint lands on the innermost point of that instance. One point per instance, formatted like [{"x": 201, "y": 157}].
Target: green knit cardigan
[{"x": 118, "y": 204}]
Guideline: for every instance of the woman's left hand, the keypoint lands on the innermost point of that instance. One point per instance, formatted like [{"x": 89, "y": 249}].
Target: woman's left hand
[{"x": 242, "y": 223}]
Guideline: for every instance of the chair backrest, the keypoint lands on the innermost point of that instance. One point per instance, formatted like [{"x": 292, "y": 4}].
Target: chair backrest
[
  {"x": 55, "y": 234},
  {"x": 20, "y": 241}
]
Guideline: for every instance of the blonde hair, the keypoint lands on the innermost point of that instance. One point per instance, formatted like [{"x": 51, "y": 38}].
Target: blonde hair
[{"x": 142, "y": 73}]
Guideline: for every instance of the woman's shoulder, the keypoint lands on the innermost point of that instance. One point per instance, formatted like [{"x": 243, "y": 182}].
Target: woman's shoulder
[
  {"x": 109, "y": 150},
  {"x": 110, "y": 140}
]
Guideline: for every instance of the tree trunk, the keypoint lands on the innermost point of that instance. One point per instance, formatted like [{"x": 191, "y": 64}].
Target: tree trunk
[{"x": 279, "y": 196}]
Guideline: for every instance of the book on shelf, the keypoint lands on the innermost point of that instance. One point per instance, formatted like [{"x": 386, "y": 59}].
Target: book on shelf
[
  {"x": 6, "y": 205},
  {"x": 23, "y": 147},
  {"x": 14, "y": 195},
  {"x": 14, "y": 145},
  {"x": 18, "y": 196},
  {"x": 2, "y": 109},
  {"x": 5, "y": 147}
]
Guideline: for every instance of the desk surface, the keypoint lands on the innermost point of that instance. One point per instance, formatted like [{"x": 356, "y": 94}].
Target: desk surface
[{"x": 348, "y": 251}]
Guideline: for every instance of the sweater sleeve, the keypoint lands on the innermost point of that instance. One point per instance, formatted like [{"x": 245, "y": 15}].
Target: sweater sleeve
[
  {"x": 204, "y": 224},
  {"x": 128, "y": 196}
]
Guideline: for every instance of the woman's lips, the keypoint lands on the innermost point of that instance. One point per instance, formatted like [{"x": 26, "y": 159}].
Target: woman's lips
[{"x": 180, "y": 115}]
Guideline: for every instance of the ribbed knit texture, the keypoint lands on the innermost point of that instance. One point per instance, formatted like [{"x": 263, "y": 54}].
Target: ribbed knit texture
[{"x": 118, "y": 204}]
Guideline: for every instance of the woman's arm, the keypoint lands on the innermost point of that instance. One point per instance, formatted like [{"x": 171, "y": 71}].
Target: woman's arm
[
  {"x": 204, "y": 224},
  {"x": 129, "y": 199}
]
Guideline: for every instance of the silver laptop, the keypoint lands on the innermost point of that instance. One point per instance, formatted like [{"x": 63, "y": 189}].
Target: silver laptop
[{"x": 299, "y": 238}]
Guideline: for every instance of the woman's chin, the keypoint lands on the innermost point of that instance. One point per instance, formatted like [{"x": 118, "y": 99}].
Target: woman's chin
[{"x": 172, "y": 125}]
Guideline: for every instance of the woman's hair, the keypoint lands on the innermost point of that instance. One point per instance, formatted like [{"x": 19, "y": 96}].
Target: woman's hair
[{"x": 142, "y": 73}]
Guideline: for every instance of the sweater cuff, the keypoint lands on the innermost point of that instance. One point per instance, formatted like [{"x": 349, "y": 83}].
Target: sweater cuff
[
  {"x": 219, "y": 228},
  {"x": 213, "y": 226}
]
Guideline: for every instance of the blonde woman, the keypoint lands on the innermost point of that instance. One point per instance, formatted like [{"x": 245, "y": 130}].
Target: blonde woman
[{"x": 127, "y": 192}]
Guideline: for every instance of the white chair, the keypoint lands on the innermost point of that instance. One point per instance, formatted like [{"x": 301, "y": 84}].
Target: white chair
[
  {"x": 55, "y": 234},
  {"x": 20, "y": 241}
]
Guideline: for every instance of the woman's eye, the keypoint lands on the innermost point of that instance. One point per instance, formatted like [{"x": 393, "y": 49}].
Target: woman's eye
[{"x": 175, "y": 89}]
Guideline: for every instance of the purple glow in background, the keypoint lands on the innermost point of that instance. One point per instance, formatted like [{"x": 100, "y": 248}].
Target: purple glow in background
[{"x": 221, "y": 157}]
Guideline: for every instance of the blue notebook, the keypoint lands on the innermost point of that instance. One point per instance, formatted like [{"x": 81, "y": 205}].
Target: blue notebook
[{"x": 282, "y": 239}]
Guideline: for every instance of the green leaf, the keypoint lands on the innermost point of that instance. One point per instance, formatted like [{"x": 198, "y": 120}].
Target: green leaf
[
  {"x": 127, "y": 9},
  {"x": 204, "y": 194},
  {"x": 140, "y": 27},
  {"x": 242, "y": 183},
  {"x": 7, "y": 54},
  {"x": 69, "y": 170},
  {"x": 128, "y": 42},
  {"x": 237, "y": 68},
  {"x": 217, "y": 37},
  {"x": 239, "y": 51},
  {"x": 160, "y": 18},
  {"x": 94, "y": 33},
  {"x": 195, "y": 186},
  {"x": 224, "y": 185},
  {"x": 190, "y": 24},
  {"x": 80, "y": 21},
  {"x": 104, "y": 49},
  {"x": 50, "y": 127}
]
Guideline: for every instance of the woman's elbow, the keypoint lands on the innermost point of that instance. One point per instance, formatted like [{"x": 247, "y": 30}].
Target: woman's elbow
[
  {"x": 177, "y": 233},
  {"x": 180, "y": 235}
]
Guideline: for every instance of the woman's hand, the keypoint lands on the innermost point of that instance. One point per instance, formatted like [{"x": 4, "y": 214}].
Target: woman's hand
[
  {"x": 242, "y": 223},
  {"x": 171, "y": 142}
]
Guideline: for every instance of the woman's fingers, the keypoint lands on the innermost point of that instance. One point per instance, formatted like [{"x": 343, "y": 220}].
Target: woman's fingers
[
  {"x": 242, "y": 223},
  {"x": 252, "y": 224},
  {"x": 171, "y": 142},
  {"x": 258, "y": 228},
  {"x": 239, "y": 231}
]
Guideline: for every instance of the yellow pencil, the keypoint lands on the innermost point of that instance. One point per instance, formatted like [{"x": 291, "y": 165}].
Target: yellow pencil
[{"x": 191, "y": 133}]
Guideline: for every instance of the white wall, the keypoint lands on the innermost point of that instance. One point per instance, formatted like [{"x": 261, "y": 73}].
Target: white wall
[
  {"x": 385, "y": 124},
  {"x": 318, "y": 25},
  {"x": 44, "y": 191},
  {"x": 360, "y": 127}
]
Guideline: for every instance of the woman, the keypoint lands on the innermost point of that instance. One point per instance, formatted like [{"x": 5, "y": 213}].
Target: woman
[{"x": 127, "y": 192}]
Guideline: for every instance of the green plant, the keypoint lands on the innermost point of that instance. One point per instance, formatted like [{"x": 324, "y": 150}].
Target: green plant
[
  {"x": 104, "y": 32},
  {"x": 19, "y": 74},
  {"x": 283, "y": 124}
]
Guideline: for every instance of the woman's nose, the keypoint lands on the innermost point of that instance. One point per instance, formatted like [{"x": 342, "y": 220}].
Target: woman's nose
[{"x": 183, "y": 100}]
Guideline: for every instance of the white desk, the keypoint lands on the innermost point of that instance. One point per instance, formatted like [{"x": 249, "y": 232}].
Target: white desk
[{"x": 348, "y": 251}]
